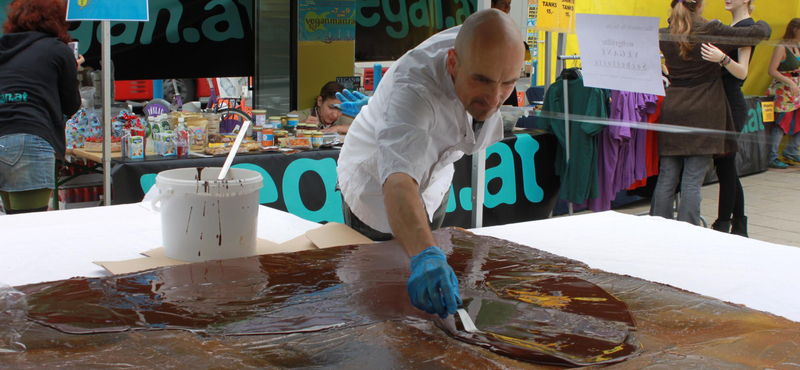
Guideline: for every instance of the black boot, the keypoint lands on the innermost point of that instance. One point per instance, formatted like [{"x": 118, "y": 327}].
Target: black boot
[
  {"x": 739, "y": 226},
  {"x": 722, "y": 226}
]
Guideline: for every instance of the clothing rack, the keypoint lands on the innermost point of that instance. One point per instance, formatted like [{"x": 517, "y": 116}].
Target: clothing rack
[
  {"x": 564, "y": 59},
  {"x": 566, "y": 116}
]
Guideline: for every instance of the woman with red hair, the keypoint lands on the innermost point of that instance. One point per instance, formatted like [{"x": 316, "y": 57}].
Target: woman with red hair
[{"x": 38, "y": 91}]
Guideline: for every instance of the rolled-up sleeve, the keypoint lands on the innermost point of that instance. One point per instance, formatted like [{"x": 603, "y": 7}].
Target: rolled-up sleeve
[{"x": 404, "y": 142}]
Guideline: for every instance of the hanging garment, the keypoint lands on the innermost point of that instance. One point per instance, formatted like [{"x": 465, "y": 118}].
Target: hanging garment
[
  {"x": 651, "y": 157},
  {"x": 579, "y": 176},
  {"x": 621, "y": 150}
]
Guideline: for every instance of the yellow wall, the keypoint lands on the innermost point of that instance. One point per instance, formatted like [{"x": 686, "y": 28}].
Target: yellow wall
[
  {"x": 318, "y": 63},
  {"x": 777, "y": 13}
]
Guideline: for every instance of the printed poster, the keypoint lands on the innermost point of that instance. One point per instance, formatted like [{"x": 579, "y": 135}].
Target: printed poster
[
  {"x": 327, "y": 20},
  {"x": 108, "y": 10}
]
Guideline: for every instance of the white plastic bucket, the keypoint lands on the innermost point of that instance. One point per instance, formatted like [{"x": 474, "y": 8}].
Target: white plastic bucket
[{"x": 203, "y": 218}]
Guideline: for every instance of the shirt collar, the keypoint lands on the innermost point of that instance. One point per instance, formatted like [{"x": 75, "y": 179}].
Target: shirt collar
[{"x": 450, "y": 89}]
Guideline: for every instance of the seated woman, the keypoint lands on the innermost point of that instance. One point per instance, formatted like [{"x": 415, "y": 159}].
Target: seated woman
[{"x": 325, "y": 113}]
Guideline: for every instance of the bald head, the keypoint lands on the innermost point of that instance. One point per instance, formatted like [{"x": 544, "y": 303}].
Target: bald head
[
  {"x": 486, "y": 62},
  {"x": 487, "y": 29}
]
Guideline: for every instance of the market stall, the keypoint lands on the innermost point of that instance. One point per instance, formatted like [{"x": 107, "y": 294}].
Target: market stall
[{"x": 520, "y": 178}]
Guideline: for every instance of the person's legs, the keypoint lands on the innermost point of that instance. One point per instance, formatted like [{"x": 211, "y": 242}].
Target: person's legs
[
  {"x": 725, "y": 168},
  {"x": 694, "y": 172},
  {"x": 664, "y": 195},
  {"x": 6, "y": 201},
  {"x": 791, "y": 150},
  {"x": 27, "y": 173},
  {"x": 775, "y": 141},
  {"x": 27, "y": 201}
]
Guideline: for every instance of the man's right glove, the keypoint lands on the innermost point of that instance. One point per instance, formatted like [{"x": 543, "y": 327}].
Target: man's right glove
[{"x": 433, "y": 286}]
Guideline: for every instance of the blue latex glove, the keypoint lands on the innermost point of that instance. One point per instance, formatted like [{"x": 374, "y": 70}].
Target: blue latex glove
[
  {"x": 433, "y": 286},
  {"x": 352, "y": 102}
]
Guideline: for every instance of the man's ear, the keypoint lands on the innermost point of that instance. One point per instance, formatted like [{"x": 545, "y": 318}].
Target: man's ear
[{"x": 452, "y": 62}]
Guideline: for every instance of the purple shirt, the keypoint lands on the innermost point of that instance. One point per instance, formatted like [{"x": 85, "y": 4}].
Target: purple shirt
[{"x": 621, "y": 157}]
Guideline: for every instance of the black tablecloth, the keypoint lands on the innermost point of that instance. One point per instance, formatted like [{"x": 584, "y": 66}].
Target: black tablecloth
[{"x": 521, "y": 184}]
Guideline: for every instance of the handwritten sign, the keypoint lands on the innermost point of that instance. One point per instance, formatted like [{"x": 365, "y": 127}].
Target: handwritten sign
[
  {"x": 620, "y": 53},
  {"x": 108, "y": 10},
  {"x": 768, "y": 110}
]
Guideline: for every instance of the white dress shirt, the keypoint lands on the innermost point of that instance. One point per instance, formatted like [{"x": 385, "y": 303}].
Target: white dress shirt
[{"x": 414, "y": 124}]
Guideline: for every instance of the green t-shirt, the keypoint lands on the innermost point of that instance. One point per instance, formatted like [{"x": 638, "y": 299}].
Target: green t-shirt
[
  {"x": 579, "y": 178},
  {"x": 790, "y": 64}
]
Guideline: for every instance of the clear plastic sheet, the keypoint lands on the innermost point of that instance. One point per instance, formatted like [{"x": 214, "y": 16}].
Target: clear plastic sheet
[
  {"x": 347, "y": 308},
  {"x": 13, "y": 319}
]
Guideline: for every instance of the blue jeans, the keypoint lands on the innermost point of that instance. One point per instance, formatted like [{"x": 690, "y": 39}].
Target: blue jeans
[
  {"x": 694, "y": 172},
  {"x": 775, "y": 143},
  {"x": 27, "y": 162}
]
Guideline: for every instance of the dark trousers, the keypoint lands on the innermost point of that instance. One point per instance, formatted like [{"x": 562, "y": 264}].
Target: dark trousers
[
  {"x": 351, "y": 220},
  {"x": 731, "y": 193}
]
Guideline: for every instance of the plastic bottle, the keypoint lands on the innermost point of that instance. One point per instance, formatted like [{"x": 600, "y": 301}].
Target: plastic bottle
[
  {"x": 13, "y": 319},
  {"x": 268, "y": 136},
  {"x": 149, "y": 131},
  {"x": 181, "y": 126}
]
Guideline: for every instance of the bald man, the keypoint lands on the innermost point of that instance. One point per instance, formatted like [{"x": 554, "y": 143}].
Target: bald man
[{"x": 436, "y": 103}]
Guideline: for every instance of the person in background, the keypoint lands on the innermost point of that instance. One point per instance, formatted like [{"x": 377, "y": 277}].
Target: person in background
[
  {"x": 785, "y": 70},
  {"x": 695, "y": 98},
  {"x": 730, "y": 212},
  {"x": 505, "y": 7},
  {"x": 325, "y": 113},
  {"x": 38, "y": 91},
  {"x": 436, "y": 103}
]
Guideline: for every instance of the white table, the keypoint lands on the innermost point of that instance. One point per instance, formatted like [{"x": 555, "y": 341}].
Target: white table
[
  {"x": 760, "y": 275},
  {"x": 764, "y": 276}
]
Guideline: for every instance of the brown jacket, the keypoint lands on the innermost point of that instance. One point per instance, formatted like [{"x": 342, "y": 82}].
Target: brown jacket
[{"x": 696, "y": 97}]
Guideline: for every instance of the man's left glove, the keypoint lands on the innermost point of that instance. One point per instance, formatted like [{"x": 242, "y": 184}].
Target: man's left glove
[
  {"x": 352, "y": 102},
  {"x": 433, "y": 286}
]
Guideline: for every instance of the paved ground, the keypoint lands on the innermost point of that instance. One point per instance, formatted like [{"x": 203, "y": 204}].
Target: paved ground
[{"x": 772, "y": 205}]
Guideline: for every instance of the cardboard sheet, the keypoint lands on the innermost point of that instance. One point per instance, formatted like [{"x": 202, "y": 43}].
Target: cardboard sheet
[
  {"x": 49, "y": 246},
  {"x": 328, "y": 236},
  {"x": 334, "y": 234}
]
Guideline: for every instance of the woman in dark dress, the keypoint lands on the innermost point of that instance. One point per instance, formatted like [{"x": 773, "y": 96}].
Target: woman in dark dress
[{"x": 730, "y": 212}]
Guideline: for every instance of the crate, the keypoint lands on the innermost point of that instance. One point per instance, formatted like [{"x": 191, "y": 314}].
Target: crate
[
  {"x": 133, "y": 90},
  {"x": 368, "y": 77}
]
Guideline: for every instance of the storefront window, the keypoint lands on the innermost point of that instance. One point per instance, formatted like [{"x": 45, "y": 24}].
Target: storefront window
[{"x": 273, "y": 81}]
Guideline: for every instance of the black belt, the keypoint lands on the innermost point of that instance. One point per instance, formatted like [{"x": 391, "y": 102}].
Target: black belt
[{"x": 694, "y": 82}]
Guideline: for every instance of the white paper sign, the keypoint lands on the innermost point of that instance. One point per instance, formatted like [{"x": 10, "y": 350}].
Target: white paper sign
[{"x": 620, "y": 53}]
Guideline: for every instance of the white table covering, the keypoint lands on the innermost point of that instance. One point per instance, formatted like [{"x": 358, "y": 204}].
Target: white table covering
[
  {"x": 59, "y": 245},
  {"x": 760, "y": 275}
]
